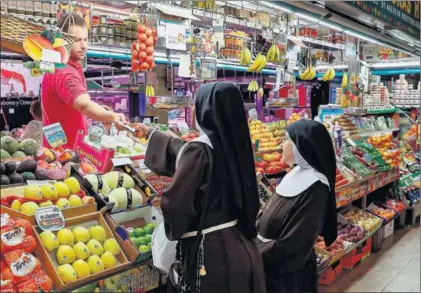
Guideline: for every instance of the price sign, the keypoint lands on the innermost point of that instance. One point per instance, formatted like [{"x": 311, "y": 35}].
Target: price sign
[
  {"x": 95, "y": 133},
  {"x": 55, "y": 135},
  {"x": 49, "y": 218},
  {"x": 253, "y": 114},
  {"x": 183, "y": 127}
]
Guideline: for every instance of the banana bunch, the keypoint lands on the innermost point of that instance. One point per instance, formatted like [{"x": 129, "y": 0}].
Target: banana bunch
[
  {"x": 245, "y": 57},
  {"x": 253, "y": 86},
  {"x": 344, "y": 80},
  {"x": 309, "y": 73},
  {"x": 274, "y": 55},
  {"x": 150, "y": 91},
  {"x": 260, "y": 93},
  {"x": 329, "y": 74},
  {"x": 258, "y": 64},
  {"x": 210, "y": 4}
]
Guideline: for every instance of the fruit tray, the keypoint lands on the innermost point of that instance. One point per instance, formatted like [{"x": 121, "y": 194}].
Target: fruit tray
[
  {"x": 324, "y": 264},
  {"x": 124, "y": 227},
  {"x": 19, "y": 191},
  {"x": 356, "y": 216},
  {"x": 50, "y": 261},
  {"x": 384, "y": 213}
]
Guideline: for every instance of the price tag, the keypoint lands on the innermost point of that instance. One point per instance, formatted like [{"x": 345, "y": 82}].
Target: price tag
[
  {"x": 183, "y": 127},
  {"x": 147, "y": 121},
  {"x": 95, "y": 133},
  {"x": 49, "y": 218},
  {"x": 51, "y": 56},
  {"x": 121, "y": 162},
  {"x": 253, "y": 114},
  {"x": 351, "y": 142},
  {"x": 55, "y": 135}
]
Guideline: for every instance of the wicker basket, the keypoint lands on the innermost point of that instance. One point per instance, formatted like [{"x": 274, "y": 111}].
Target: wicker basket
[{"x": 15, "y": 30}]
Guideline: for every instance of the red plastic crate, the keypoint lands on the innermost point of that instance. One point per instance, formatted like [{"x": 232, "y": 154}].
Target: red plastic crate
[
  {"x": 357, "y": 255},
  {"x": 331, "y": 274}
]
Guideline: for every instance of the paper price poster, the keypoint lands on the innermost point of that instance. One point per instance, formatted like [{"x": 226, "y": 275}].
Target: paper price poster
[{"x": 175, "y": 37}]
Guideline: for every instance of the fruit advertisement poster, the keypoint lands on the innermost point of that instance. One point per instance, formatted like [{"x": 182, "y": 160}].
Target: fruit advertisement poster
[{"x": 16, "y": 80}]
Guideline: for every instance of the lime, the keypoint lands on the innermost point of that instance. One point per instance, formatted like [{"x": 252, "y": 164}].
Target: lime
[
  {"x": 138, "y": 241},
  {"x": 148, "y": 230},
  {"x": 150, "y": 245},
  {"x": 143, "y": 248},
  {"x": 148, "y": 238},
  {"x": 139, "y": 232},
  {"x": 131, "y": 234}
]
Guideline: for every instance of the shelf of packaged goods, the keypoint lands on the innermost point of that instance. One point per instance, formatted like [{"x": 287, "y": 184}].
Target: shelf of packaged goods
[{"x": 348, "y": 193}]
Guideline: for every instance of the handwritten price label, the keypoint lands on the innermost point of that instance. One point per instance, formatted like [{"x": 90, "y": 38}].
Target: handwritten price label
[{"x": 49, "y": 218}]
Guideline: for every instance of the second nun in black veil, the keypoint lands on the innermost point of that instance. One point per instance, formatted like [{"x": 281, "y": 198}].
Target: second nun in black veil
[
  {"x": 214, "y": 186},
  {"x": 303, "y": 207}
]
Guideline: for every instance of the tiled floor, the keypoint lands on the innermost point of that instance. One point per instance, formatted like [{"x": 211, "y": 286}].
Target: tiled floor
[{"x": 396, "y": 268}]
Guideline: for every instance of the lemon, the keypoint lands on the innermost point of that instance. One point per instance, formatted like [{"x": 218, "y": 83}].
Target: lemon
[
  {"x": 81, "y": 251},
  {"x": 63, "y": 203},
  {"x": 46, "y": 203},
  {"x": 62, "y": 189},
  {"x": 81, "y": 234},
  {"x": 29, "y": 208},
  {"x": 16, "y": 205},
  {"x": 49, "y": 240},
  {"x": 98, "y": 233},
  {"x": 32, "y": 192},
  {"x": 75, "y": 200},
  {"x": 65, "y": 237},
  {"x": 81, "y": 268},
  {"x": 95, "y": 247},
  {"x": 73, "y": 184},
  {"x": 96, "y": 264},
  {"x": 109, "y": 260},
  {"x": 65, "y": 254},
  {"x": 67, "y": 273},
  {"x": 49, "y": 192},
  {"x": 112, "y": 246}
]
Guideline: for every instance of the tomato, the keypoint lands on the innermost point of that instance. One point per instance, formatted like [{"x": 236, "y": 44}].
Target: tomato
[
  {"x": 142, "y": 56},
  {"x": 149, "y": 41},
  {"x": 141, "y": 28},
  {"x": 148, "y": 32},
  {"x": 149, "y": 60},
  {"x": 142, "y": 37}
]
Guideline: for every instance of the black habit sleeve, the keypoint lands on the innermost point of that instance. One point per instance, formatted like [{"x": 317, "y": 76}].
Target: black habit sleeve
[
  {"x": 177, "y": 202},
  {"x": 300, "y": 229},
  {"x": 161, "y": 153}
]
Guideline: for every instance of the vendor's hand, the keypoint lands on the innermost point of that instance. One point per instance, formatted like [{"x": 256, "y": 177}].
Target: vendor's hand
[
  {"x": 119, "y": 120},
  {"x": 141, "y": 130}
]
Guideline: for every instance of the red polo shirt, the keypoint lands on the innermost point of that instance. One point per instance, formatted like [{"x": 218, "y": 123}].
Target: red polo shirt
[{"x": 59, "y": 91}]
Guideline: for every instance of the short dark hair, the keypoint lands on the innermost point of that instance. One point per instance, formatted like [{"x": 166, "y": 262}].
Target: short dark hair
[
  {"x": 70, "y": 19},
  {"x": 36, "y": 109}
]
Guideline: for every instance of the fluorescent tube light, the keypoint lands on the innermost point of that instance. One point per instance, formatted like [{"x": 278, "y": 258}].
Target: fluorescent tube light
[
  {"x": 361, "y": 37},
  {"x": 326, "y": 24},
  {"x": 307, "y": 17},
  {"x": 396, "y": 64}
]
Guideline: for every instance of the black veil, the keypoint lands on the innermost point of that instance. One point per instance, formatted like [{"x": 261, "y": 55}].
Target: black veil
[
  {"x": 221, "y": 115},
  {"x": 315, "y": 145}
]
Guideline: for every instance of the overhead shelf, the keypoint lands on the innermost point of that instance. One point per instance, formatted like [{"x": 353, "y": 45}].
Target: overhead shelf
[{"x": 319, "y": 43}]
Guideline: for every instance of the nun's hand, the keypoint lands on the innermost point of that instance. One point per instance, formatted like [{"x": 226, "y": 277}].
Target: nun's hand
[{"x": 141, "y": 130}]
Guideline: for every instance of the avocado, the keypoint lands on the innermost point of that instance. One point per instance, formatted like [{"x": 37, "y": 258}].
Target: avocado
[
  {"x": 4, "y": 180},
  {"x": 15, "y": 178},
  {"x": 41, "y": 174},
  {"x": 27, "y": 166},
  {"x": 28, "y": 176},
  {"x": 2, "y": 168},
  {"x": 10, "y": 167}
]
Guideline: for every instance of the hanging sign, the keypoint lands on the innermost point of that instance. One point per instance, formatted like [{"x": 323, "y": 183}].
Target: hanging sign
[
  {"x": 49, "y": 218},
  {"x": 175, "y": 37},
  {"x": 404, "y": 15},
  {"x": 55, "y": 135}
]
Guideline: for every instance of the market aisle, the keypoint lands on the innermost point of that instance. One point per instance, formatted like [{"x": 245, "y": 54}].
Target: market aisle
[{"x": 396, "y": 268}]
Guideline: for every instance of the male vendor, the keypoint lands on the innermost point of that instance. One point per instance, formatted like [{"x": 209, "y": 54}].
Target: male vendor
[{"x": 64, "y": 95}]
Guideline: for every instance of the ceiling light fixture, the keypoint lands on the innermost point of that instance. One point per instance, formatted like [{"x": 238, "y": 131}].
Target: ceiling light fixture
[
  {"x": 310, "y": 18},
  {"x": 326, "y": 24},
  {"x": 361, "y": 37}
]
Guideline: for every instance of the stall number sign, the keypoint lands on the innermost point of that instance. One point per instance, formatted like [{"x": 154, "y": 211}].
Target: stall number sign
[
  {"x": 49, "y": 218},
  {"x": 55, "y": 135}
]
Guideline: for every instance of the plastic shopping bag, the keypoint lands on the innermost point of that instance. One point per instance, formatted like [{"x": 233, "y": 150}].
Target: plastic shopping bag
[{"x": 163, "y": 250}]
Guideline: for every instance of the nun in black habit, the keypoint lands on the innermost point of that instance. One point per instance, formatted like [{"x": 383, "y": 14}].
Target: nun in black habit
[
  {"x": 214, "y": 192},
  {"x": 302, "y": 208}
]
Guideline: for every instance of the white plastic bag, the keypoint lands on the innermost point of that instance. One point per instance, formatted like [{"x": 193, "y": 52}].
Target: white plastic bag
[{"x": 163, "y": 249}]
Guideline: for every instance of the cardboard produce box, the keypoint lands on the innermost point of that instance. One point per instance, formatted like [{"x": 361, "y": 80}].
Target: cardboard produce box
[
  {"x": 122, "y": 223},
  {"x": 19, "y": 192},
  {"x": 49, "y": 259}
]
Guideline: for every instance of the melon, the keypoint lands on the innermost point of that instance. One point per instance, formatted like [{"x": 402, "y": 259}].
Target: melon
[
  {"x": 98, "y": 183},
  {"x": 118, "y": 179},
  {"x": 126, "y": 198}
]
